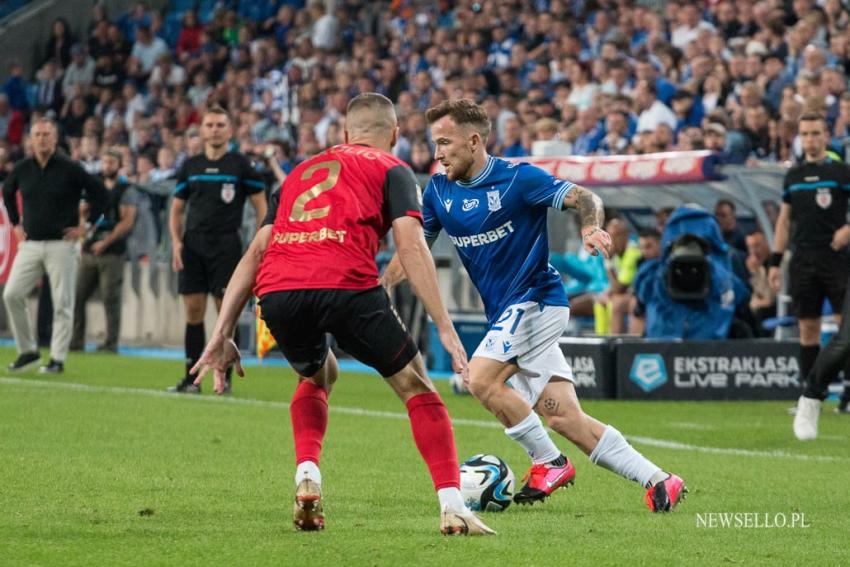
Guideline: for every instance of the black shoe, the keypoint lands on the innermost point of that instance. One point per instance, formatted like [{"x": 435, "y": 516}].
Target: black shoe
[
  {"x": 53, "y": 367},
  {"x": 185, "y": 386},
  {"x": 107, "y": 348},
  {"x": 24, "y": 360},
  {"x": 843, "y": 406},
  {"x": 73, "y": 347}
]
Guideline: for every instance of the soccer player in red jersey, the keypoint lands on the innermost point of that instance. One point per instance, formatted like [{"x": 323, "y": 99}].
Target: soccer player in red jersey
[{"x": 312, "y": 265}]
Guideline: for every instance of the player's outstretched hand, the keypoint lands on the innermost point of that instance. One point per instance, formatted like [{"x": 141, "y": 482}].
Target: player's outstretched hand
[
  {"x": 454, "y": 347},
  {"x": 597, "y": 240},
  {"x": 218, "y": 356}
]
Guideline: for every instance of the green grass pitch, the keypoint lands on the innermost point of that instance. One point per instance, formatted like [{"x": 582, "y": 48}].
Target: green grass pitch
[{"x": 100, "y": 467}]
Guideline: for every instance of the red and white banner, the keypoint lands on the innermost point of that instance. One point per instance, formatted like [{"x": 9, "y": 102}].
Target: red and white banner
[
  {"x": 8, "y": 245},
  {"x": 645, "y": 169}
]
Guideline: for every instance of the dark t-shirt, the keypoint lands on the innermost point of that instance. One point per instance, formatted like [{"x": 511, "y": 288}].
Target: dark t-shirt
[
  {"x": 120, "y": 195},
  {"x": 51, "y": 196},
  {"x": 818, "y": 194},
  {"x": 216, "y": 191}
]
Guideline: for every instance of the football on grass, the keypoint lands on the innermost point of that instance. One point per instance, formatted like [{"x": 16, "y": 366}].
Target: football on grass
[
  {"x": 458, "y": 387},
  {"x": 486, "y": 483}
]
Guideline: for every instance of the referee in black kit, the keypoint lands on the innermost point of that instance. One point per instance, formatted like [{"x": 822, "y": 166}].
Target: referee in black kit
[
  {"x": 815, "y": 198},
  {"x": 215, "y": 184},
  {"x": 51, "y": 187}
]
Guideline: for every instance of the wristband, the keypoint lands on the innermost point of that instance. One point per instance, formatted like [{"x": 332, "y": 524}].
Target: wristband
[{"x": 775, "y": 259}]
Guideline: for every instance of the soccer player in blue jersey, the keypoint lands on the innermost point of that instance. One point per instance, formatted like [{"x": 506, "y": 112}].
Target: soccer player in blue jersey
[{"x": 494, "y": 211}]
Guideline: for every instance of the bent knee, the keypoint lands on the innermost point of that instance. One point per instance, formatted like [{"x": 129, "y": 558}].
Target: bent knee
[
  {"x": 482, "y": 387},
  {"x": 195, "y": 317},
  {"x": 14, "y": 294},
  {"x": 411, "y": 380}
]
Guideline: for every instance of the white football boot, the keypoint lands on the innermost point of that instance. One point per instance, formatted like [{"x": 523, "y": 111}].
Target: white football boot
[
  {"x": 806, "y": 418},
  {"x": 462, "y": 523}
]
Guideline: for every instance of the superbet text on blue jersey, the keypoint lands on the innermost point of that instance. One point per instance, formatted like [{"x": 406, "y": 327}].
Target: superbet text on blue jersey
[{"x": 497, "y": 222}]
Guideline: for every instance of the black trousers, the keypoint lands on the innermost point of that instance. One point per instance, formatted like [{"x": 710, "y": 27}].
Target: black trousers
[{"x": 832, "y": 358}]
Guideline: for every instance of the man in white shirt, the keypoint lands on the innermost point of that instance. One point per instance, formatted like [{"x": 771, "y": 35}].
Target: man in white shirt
[
  {"x": 167, "y": 73},
  {"x": 148, "y": 48},
  {"x": 690, "y": 26},
  {"x": 652, "y": 111},
  {"x": 80, "y": 71},
  {"x": 325, "y": 34}
]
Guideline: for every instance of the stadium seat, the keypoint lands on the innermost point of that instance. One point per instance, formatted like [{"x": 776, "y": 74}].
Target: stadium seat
[
  {"x": 255, "y": 10},
  {"x": 7, "y": 8},
  {"x": 180, "y": 6},
  {"x": 171, "y": 28},
  {"x": 210, "y": 5}
]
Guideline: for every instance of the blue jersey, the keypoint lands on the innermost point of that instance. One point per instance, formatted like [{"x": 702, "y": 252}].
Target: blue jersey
[{"x": 497, "y": 222}]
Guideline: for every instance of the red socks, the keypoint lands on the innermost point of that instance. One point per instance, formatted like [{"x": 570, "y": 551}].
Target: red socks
[
  {"x": 309, "y": 413},
  {"x": 432, "y": 432},
  {"x": 429, "y": 420}
]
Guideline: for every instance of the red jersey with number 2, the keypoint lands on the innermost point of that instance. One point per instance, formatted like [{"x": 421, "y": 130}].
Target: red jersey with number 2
[{"x": 329, "y": 216}]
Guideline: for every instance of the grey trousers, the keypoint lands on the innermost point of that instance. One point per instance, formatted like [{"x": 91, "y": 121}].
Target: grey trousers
[
  {"x": 58, "y": 258},
  {"x": 105, "y": 273}
]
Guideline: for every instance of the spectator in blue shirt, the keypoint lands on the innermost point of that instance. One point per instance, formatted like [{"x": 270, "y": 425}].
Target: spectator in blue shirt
[
  {"x": 590, "y": 133},
  {"x": 645, "y": 70},
  {"x": 512, "y": 140},
  {"x": 777, "y": 80},
  {"x": 16, "y": 88},
  {"x": 688, "y": 109}
]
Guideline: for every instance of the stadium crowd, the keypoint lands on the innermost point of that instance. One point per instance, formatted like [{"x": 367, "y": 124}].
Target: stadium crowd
[
  {"x": 601, "y": 77},
  {"x": 604, "y": 77}
]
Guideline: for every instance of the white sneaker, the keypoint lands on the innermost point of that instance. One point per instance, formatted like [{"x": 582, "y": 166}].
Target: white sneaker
[
  {"x": 806, "y": 419},
  {"x": 462, "y": 523}
]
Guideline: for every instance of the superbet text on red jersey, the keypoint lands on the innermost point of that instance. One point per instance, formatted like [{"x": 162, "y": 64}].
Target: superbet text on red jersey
[{"x": 329, "y": 216}]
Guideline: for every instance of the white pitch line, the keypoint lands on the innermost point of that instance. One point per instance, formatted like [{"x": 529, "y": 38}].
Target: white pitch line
[
  {"x": 221, "y": 400},
  {"x": 690, "y": 425},
  {"x": 649, "y": 441},
  {"x": 663, "y": 443}
]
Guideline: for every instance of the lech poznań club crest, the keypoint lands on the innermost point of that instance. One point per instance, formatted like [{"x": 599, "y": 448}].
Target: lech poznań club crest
[{"x": 494, "y": 202}]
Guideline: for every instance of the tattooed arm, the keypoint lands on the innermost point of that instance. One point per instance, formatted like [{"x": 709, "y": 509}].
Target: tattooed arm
[{"x": 592, "y": 215}]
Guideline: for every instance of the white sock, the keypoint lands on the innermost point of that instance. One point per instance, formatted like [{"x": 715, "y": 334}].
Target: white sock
[
  {"x": 533, "y": 437},
  {"x": 451, "y": 498},
  {"x": 614, "y": 453},
  {"x": 658, "y": 477},
  {"x": 308, "y": 469}
]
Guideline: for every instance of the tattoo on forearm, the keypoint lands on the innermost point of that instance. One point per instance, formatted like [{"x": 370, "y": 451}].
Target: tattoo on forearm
[{"x": 590, "y": 209}]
